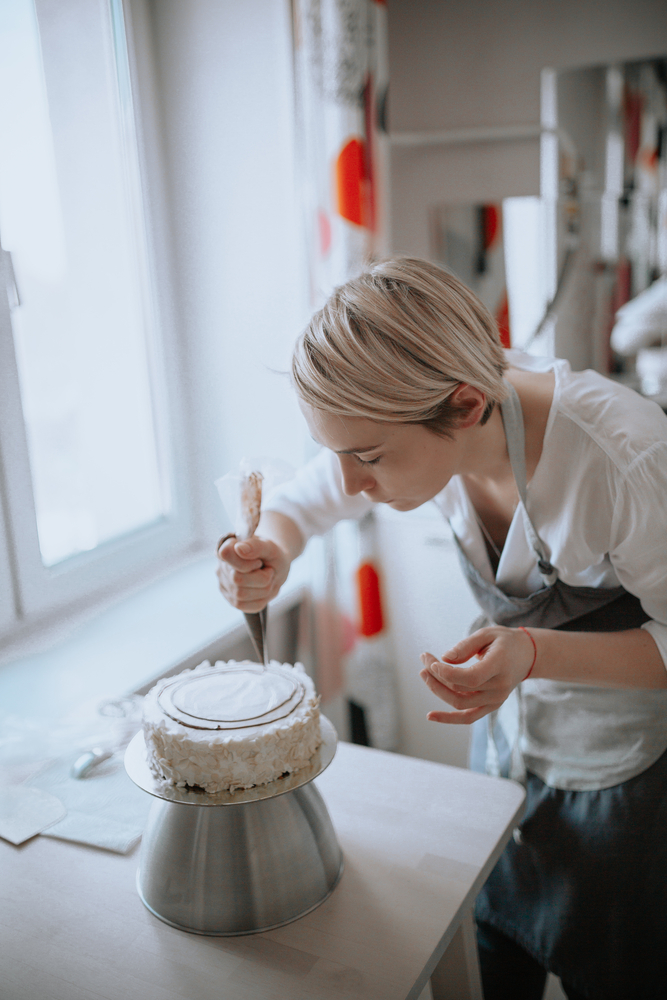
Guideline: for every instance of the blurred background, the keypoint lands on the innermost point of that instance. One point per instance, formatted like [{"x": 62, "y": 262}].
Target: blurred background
[{"x": 181, "y": 183}]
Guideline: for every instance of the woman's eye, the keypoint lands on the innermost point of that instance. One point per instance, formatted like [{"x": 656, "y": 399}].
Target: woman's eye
[{"x": 372, "y": 461}]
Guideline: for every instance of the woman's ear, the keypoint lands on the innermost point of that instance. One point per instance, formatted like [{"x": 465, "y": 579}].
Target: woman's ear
[{"x": 470, "y": 404}]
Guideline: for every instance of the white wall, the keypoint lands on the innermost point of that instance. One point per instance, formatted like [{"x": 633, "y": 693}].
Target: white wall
[
  {"x": 471, "y": 64},
  {"x": 477, "y": 63},
  {"x": 222, "y": 65},
  {"x": 225, "y": 89},
  {"x": 429, "y": 608},
  {"x": 453, "y": 64}
]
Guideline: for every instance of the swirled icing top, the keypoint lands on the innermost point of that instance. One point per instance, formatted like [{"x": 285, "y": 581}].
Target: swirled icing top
[{"x": 232, "y": 696}]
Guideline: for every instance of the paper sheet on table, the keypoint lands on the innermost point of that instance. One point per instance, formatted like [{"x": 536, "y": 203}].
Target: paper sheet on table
[
  {"x": 25, "y": 812},
  {"x": 106, "y": 809}
]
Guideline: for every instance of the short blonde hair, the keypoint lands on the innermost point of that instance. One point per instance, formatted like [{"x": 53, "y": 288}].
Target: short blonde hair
[{"x": 393, "y": 345}]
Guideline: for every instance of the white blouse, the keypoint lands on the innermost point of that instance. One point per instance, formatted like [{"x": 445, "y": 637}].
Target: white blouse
[{"x": 598, "y": 497}]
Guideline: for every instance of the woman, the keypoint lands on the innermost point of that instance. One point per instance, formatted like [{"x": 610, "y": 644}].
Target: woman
[{"x": 554, "y": 484}]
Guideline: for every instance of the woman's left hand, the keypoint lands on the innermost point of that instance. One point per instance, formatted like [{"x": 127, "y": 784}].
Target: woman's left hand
[{"x": 504, "y": 657}]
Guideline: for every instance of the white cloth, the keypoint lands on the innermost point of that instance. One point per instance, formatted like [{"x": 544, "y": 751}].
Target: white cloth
[
  {"x": 642, "y": 321},
  {"x": 598, "y": 498},
  {"x": 105, "y": 809}
]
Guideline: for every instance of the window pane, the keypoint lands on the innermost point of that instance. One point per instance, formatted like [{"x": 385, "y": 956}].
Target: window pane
[{"x": 70, "y": 215}]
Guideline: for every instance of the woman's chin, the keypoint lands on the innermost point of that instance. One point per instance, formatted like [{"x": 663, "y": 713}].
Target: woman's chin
[
  {"x": 397, "y": 504},
  {"x": 404, "y": 504}
]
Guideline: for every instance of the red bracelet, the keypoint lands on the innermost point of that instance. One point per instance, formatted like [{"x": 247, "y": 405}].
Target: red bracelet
[{"x": 534, "y": 651}]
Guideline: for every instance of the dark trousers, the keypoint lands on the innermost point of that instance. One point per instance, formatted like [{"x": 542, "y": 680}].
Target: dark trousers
[{"x": 509, "y": 972}]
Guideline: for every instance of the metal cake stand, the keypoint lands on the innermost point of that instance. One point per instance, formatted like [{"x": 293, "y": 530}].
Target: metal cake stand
[{"x": 268, "y": 857}]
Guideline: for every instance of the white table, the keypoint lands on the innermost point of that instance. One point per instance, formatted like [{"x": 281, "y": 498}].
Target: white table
[{"x": 419, "y": 840}]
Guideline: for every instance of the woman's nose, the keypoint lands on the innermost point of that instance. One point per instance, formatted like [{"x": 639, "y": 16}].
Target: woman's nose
[{"x": 356, "y": 478}]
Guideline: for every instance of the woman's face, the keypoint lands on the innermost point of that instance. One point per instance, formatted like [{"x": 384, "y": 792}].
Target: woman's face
[{"x": 402, "y": 465}]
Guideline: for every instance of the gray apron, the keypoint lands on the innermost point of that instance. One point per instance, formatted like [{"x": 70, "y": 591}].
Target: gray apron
[
  {"x": 583, "y": 884},
  {"x": 564, "y": 729}
]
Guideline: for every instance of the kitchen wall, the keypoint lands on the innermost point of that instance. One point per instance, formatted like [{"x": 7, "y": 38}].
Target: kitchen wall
[
  {"x": 235, "y": 229},
  {"x": 465, "y": 64},
  {"x": 429, "y": 608},
  {"x": 458, "y": 65},
  {"x": 225, "y": 106}
]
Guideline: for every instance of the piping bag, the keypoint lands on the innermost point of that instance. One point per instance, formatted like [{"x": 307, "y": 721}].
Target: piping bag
[{"x": 241, "y": 495}]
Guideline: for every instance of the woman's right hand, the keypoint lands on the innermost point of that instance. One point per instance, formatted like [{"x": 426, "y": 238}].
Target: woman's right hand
[{"x": 252, "y": 572}]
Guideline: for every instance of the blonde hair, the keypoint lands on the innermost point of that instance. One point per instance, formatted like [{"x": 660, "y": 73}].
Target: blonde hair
[{"x": 393, "y": 345}]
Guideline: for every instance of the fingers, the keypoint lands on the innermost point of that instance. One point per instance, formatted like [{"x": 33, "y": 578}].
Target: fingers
[
  {"x": 248, "y": 600},
  {"x": 465, "y": 718},
  {"x": 243, "y": 556},
  {"x": 464, "y": 679},
  {"x": 240, "y": 587},
  {"x": 475, "y": 644},
  {"x": 251, "y": 572},
  {"x": 256, "y": 548},
  {"x": 252, "y": 576},
  {"x": 475, "y": 687},
  {"x": 471, "y": 690},
  {"x": 250, "y": 606},
  {"x": 469, "y": 706},
  {"x": 458, "y": 699},
  {"x": 249, "y": 580}
]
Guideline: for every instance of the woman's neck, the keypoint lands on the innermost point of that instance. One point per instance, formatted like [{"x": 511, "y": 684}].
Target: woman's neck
[
  {"x": 487, "y": 472},
  {"x": 536, "y": 392},
  {"x": 484, "y": 455}
]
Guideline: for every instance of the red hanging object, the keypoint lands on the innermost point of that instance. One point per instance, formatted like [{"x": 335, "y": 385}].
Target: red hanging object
[
  {"x": 370, "y": 603},
  {"x": 503, "y": 320},
  {"x": 491, "y": 225},
  {"x": 351, "y": 182}
]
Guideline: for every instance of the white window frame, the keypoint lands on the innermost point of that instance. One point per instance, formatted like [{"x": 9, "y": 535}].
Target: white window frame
[{"x": 31, "y": 593}]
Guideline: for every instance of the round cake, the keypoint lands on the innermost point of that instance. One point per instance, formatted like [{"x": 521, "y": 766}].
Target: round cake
[{"x": 232, "y": 725}]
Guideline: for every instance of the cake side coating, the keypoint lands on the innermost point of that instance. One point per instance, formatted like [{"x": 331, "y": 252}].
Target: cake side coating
[{"x": 219, "y": 760}]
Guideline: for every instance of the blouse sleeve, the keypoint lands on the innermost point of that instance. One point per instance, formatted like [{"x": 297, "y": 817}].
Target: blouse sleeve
[
  {"x": 314, "y": 499},
  {"x": 639, "y": 537}
]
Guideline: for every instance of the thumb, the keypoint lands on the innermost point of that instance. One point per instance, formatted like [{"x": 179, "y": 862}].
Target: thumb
[
  {"x": 256, "y": 548},
  {"x": 474, "y": 644}
]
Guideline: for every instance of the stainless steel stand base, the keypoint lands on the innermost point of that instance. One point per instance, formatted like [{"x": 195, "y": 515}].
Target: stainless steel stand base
[
  {"x": 240, "y": 869},
  {"x": 237, "y": 862}
]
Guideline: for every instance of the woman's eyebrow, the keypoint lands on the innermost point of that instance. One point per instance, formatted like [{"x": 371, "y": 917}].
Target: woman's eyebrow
[
  {"x": 360, "y": 450},
  {"x": 351, "y": 451}
]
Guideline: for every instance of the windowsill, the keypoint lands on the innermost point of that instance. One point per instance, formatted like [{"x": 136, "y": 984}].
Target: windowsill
[{"x": 128, "y": 644}]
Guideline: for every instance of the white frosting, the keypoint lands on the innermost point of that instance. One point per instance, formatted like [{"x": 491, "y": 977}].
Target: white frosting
[
  {"x": 232, "y": 725},
  {"x": 222, "y": 699}
]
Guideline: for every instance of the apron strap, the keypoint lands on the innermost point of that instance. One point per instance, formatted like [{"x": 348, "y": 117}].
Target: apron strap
[
  {"x": 510, "y": 717},
  {"x": 512, "y": 416}
]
